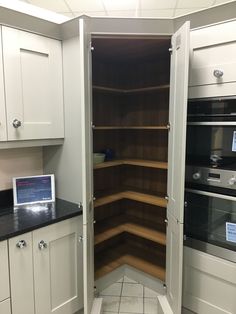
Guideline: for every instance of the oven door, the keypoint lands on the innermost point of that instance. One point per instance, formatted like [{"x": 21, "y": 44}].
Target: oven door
[{"x": 210, "y": 223}]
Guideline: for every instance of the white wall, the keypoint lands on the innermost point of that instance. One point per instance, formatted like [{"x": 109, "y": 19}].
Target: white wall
[{"x": 19, "y": 162}]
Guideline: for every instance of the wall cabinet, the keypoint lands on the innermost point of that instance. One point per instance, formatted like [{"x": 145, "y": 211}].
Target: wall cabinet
[
  {"x": 33, "y": 87},
  {"x": 48, "y": 264}
]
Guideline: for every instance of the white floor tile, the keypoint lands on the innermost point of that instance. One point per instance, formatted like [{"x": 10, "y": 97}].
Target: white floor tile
[
  {"x": 111, "y": 304},
  {"x": 121, "y": 279},
  {"x": 150, "y": 306},
  {"x": 132, "y": 290},
  {"x": 113, "y": 290},
  {"x": 109, "y": 312},
  {"x": 131, "y": 305},
  {"x": 127, "y": 279},
  {"x": 148, "y": 293}
]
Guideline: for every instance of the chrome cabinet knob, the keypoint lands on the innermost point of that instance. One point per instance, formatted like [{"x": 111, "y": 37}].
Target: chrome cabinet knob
[
  {"x": 196, "y": 176},
  {"x": 21, "y": 244},
  {"x": 16, "y": 123},
  {"x": 42, "y": 245},
  {"x": 232, "y": 181},
  {"x": 218, "y": 73}
]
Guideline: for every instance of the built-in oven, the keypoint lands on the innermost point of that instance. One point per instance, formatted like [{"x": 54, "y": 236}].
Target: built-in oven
[
  {"x": 210, "y": 211},
  {"x": 210, "y": 198}
]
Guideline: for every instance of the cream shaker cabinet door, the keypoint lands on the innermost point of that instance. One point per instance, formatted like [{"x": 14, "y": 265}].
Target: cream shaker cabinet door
[
  {"x": 5, "y": 307},
  {"x": 3, "y": 126},
  {"x": 21, "y": 270},
  {"x": 56, "y": 274},
  {"x": 33, "y": 85},
  {"x": 4, "y": 272}
]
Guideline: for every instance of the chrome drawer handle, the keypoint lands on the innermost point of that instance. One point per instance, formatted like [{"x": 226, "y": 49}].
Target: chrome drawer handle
[
  {"x": 42, "y": 245},
  {"x": 218, "y": 73},
  {"x": 21, "y": 244},
  {"x": 16, "y": 123}
]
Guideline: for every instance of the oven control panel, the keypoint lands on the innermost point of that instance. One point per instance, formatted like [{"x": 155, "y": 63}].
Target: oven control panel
[{"x": 210, "y": 176}]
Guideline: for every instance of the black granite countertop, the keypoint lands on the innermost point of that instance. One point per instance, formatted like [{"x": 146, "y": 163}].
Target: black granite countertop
[{"x": 18, "y": 221}]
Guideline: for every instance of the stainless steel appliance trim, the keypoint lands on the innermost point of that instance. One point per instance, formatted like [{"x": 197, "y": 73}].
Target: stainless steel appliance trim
[
  {"x": 211, "y": 249},
  {"x": 218, "y": 123},
  {"x": 222, "y": 196},
  {"x": 212, "y": 98}
]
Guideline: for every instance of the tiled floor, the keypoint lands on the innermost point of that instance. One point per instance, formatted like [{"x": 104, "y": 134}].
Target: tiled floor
[{"x": 128, "y": 296}]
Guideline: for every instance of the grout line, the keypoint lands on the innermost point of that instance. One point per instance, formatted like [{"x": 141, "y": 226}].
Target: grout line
[
  {"x": 121, "y": 294},
  {"x": 143, "y": 299}
]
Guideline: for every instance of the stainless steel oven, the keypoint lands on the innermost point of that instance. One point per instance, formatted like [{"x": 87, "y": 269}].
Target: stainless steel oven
[
  {"x": 210, "y": 199},
  {"x": 210, "y": 211}
]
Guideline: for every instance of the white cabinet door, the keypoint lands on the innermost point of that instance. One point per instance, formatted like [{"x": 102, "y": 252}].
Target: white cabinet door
[
  {"x": 56, "y": 275},
  {"x": 33, "y": 85},
  {"x": 4, "y": 271},
  {"x": 5, "y": 307},
  {"x": 87, "y": 165},
  {"x": 3, "y": 126},
  {"x": 171, "y": 303},
  {"x": 21, "y": 270}
]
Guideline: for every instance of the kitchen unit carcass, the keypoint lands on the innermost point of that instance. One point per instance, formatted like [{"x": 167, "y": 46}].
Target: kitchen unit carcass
[{"x": 135, "y": 195}]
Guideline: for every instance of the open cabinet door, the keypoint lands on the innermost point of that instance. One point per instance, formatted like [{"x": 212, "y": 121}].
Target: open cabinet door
[
  {"x": 91, "y": 305},
  {"x": 171, "y": 302}
]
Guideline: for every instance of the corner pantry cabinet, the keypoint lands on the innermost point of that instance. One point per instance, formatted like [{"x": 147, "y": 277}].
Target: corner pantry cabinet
[
  {"x": 31, "y": 66},
  {"x": 134, "y": 103},
  {"x": 46, "y": 269}
]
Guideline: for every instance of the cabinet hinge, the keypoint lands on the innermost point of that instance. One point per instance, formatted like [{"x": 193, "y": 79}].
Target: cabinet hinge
[
  {"x": 164, "y": 286},
  {"x": 81, "y": 238},
  {"x": 170, "y": 50},
  {"x": 167, "y": 198},
  {"x": 95, "y": 292},
  {"x": 168, "y": 126},
  {"x": 166, "y": 221},
  {"x": 80, "y": 205}
]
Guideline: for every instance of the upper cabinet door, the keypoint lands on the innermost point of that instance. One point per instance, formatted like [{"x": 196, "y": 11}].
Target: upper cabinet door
[
  {"x": 177, "y": 119},
  {"x": 3, "y": 127},
  {"x": 33, "y": 84},
  {"x": 172, "y": 301}
]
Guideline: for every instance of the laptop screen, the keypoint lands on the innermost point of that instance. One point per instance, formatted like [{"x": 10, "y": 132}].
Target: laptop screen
[{"x": 35, "y": 189}]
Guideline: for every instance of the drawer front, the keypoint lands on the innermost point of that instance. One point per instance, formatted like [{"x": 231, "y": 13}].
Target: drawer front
[
  {"x": 213, "y": 64},
  {"x": 4, "y": 272},
  {"x": 209, "y": 283},
  {"x": 5, "y": 307}
]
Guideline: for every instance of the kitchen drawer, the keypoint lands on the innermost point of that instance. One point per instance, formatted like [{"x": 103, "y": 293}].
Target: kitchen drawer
[
  {"x": 5, "y": 307},
  {"x": 4, "y": 272},
  {"x": 205, "y": 61}
]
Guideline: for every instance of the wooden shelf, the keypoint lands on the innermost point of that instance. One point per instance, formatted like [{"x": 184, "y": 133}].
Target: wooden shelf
[
  {"x": 133, "y": 162},
  {"x": 125, "y": 254},
  {"x": 106, "y": 230},
  {"x": 130, "y": 91},
  {"x": 158, "y": 127},
  {"x": 131, "y": 195}
]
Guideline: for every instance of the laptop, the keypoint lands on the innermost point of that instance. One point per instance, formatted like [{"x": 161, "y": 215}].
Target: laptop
[{"x": 34, "y": 191}]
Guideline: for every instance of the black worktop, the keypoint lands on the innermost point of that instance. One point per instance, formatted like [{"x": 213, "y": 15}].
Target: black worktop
[{"x": 14, "y": 222}]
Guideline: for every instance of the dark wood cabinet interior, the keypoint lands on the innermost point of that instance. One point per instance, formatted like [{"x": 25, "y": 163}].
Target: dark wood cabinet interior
[{"x": 130, "y": 119}]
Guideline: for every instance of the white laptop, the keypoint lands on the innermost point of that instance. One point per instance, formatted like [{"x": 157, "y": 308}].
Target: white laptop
[{"x": 34, "y": 190}]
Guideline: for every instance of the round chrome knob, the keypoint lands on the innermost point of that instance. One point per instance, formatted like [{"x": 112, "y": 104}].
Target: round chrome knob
[
  {"x": 196, "y": 176},
  {"x": 218, "y": 73},
  {"x": 21, "y": 244},
  {"x": 16, "y": 123},
  {"x": 232, "y": 181},
  {"x": 42, "y": 245}
]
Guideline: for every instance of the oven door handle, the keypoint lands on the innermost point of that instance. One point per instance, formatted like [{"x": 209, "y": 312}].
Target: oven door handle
[{"x": 222, "y": 196}]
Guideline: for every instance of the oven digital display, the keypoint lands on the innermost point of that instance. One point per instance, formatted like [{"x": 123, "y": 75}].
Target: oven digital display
[{"x": 214, "y": 175}]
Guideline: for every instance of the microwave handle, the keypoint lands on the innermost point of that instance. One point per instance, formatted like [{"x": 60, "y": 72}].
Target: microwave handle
[{"x": 222, "y": 196}]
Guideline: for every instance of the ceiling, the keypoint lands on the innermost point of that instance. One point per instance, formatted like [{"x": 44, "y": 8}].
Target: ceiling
[{"x": 125, "y": 8}]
